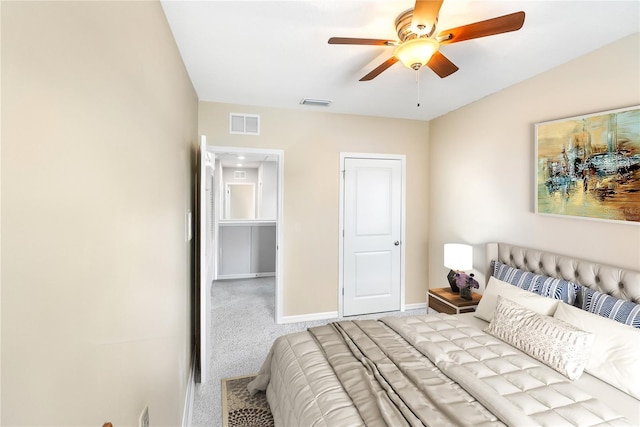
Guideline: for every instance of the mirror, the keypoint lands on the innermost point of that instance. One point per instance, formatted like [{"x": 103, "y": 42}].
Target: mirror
[
  {"x": 240, "y": 201},
  {"x": 247, "y": 185}
]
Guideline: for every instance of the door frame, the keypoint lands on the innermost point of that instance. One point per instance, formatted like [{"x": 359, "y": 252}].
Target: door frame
[
  {"x": 204, "y": 274},
  {"x": 279, "y": 154},
  {"x": 376, "y": 156}
]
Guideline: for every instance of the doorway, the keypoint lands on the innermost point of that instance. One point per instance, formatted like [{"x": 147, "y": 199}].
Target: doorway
[
  {"x": 372, "y": 206},
  {"x": 248, "y": 194}
]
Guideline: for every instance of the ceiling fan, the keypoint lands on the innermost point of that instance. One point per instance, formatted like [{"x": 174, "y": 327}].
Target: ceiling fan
[{"x": 419, "y": 44}]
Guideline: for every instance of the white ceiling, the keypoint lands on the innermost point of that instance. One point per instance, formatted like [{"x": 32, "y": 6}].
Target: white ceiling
[{"x": 275, "y": 53}]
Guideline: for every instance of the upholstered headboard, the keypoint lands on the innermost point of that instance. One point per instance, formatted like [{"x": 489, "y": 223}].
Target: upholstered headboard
[{"x": 619, "y": 282}]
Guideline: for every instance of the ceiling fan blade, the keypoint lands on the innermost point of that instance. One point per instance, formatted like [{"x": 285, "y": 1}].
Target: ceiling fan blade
[
  {"x": 379, "y": 69},
  {"x": 499, "y": 25},
  {"x": 370, "y": 42},
  {"x": 441, "y": 65},
  {"x": 425, "y": 14}
]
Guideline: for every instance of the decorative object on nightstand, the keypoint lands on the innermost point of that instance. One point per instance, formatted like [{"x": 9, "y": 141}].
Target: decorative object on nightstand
[
  {"x": 457, "y": 257},
  {"x": 465, "y": 282}
]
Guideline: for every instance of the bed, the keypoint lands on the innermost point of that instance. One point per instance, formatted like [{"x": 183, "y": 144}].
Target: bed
[{"x": 554, "y": 341}]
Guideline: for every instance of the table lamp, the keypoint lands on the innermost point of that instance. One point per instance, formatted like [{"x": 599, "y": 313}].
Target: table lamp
[{"x": 457, "y": 257}]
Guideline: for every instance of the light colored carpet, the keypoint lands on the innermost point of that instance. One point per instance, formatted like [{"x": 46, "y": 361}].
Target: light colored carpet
[{"x": 242, "y": 331}]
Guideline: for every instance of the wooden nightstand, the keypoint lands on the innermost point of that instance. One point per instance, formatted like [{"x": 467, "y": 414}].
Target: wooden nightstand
[{"x": 443, "y": 300}]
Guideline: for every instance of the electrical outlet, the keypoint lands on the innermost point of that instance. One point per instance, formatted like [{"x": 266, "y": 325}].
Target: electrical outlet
[{"x": 144, "y": 417}]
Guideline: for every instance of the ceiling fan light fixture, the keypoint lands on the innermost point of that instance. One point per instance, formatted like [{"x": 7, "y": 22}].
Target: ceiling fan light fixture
[{"x": 415, "y": 53}]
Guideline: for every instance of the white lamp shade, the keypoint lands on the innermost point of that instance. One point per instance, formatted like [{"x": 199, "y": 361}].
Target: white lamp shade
[{"x": 458, "y": 256}]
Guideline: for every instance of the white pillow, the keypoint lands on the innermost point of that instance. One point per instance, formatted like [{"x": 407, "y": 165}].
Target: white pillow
[
  {"x": 495, "y": 287},
  {"x": 552, "y": 341},
  {"x": 615, "y": 356}
]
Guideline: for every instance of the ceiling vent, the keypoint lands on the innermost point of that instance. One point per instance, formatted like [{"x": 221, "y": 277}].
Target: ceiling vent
[
  {"x": 244, "y": 124},
  {"x": 315, "y": 102}
]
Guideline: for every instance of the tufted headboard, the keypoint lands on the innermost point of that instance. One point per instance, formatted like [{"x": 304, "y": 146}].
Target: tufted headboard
[{"x": 619, "y": 282}]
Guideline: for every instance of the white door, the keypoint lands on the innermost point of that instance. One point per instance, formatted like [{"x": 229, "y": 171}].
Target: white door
[
  {"x": 372, "y": 254},
  {"x": 205, "y": 268}
]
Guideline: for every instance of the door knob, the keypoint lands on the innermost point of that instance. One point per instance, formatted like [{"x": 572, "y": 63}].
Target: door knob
[{"x": 397, "y": 243}]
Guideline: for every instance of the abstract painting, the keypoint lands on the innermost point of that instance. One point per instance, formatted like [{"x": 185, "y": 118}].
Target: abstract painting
[{"x": 589, "y": 166}]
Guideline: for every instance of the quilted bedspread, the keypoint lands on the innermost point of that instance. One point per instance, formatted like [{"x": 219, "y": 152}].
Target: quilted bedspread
[{"x": 413, "y": 371}]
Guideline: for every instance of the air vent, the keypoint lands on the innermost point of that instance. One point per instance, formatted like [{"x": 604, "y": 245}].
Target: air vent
[
  {"x": 239, "y": 174},
  {"x": 244, "y": 124},
  {"x": 315, "y": 102}
]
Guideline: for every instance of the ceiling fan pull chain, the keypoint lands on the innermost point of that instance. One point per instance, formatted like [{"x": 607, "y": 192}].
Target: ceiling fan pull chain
[{"x": 418, "y": 83}]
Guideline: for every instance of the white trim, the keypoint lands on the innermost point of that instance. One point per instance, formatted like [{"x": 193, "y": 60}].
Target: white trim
[
  {"x": 280, "y": 216},
  {"x": 187, "y": 412},
  {"x": 279, "y": 237},
  {"x": 403, "y": 197},
  {"x": 341, "y": 236},
  {"x": 217, "y": 182},
  {"x": 403, "y": 163},
  {"x": 246, "y": 222},
  {"x": 415, "y": 306},
  {"x": 309, "y": 317},
  {"x": 245, "y": 275},
  {"x": 204, "y": 278}
]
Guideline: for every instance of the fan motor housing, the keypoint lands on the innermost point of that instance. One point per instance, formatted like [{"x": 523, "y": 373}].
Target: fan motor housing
[{"x": 404, "y": 30}]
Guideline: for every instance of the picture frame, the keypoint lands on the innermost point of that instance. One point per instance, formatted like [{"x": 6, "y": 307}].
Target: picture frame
[{"x": 588, "y": 166}]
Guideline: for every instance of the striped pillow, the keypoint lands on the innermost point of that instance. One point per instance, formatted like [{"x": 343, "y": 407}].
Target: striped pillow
[
  {"x": 604, "y": 305},
  {"x": 553, "y": 342},
  {"x": 542, "y": 285}
]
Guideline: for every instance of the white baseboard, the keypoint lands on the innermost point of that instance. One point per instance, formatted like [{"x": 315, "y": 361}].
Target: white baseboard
[
  {"x": 416, "y": 306},
  {"x": 308, "y": 317},
  {"x": 243, "y": 276},
  {"x": 187, "y": 413}
]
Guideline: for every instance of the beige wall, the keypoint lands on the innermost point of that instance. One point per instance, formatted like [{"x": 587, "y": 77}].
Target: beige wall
[
  {"x": 0, "y": 217},
  {"x": 312, "y": 142},
  {"x": 99, "y": 119},
  {"x": 481, "y": 170}
]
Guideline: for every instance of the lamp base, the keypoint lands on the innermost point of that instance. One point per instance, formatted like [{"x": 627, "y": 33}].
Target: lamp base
[{"x": 451, "y": 277}]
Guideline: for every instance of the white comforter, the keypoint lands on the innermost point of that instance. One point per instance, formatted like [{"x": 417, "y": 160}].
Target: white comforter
[{"x": 385, "y": 373}]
